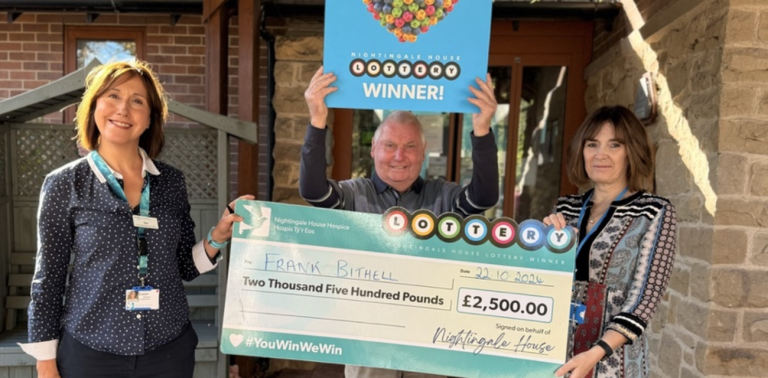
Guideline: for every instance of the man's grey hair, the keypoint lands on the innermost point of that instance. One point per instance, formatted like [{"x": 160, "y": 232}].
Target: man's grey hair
[{"x": 402, "y": 118}]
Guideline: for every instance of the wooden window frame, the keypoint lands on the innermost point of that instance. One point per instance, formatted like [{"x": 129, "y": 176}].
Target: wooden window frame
[
  {"x": 103, "y": 33},
  {"x": 550, "y": 43}
]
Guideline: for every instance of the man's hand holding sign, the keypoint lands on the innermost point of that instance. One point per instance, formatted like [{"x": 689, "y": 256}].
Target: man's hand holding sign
[
  {"x": 321, "y": 86},
  {"x": 420, "y": 55}
]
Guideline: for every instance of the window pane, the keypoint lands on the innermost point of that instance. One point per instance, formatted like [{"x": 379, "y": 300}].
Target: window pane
[
  {"x": 104, "y": 51},
  {"x": 539, "y": 141}
]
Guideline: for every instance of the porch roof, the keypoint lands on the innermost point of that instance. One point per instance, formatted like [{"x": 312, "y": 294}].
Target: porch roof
[
  {"x": 502, "y": 9},
  {"x": 68, "y": 90}
]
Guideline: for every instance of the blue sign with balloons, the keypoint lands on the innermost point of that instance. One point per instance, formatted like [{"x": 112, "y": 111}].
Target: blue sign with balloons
[{"x": 419, "y": 55}]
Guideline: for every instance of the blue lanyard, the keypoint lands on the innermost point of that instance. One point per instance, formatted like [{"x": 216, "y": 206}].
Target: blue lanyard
[
  {"x": 581, "y": 217},
  {"x": 141, "y": 239}
]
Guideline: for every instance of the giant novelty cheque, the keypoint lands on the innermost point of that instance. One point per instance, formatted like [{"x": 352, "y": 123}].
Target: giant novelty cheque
[
  {"x": 420, "y": 55},
  {"x": 464, "y": 297}
]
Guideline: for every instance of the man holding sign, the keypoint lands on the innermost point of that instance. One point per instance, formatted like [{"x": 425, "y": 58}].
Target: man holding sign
[{"x": 398, "y": 153}]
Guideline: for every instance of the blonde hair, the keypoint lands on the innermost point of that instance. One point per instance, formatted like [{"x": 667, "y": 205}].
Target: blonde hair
[{"x": 106, "y": 76}]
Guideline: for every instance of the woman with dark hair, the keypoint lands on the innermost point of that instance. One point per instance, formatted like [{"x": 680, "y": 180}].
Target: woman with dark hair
[
  {"x": 125, "y": 219},
  {"x": 626, "y": 249}
]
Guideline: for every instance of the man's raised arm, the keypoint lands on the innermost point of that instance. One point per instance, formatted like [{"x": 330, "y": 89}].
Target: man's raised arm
[
  {"x": 483, "y": 191},
  {"x": 314, "y": 187}
]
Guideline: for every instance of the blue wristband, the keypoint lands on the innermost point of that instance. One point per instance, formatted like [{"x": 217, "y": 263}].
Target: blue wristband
[{"x": 214, "y": 243}]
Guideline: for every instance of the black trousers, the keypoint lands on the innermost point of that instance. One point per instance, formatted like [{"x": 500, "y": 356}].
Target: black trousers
[{"x": 173, "y": 360}]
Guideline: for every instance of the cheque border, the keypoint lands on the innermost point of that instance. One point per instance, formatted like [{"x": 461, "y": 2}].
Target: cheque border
[{"x": 424, "y": 359}]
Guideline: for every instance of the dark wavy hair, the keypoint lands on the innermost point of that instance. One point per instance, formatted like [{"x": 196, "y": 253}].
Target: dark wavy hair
[{"x": 630, "y": 132}]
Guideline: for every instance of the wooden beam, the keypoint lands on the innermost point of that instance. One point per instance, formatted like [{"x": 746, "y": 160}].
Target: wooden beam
[
  {"x": 25, "y": 280},
  {"x": 243, "y": 130},
  {"x": 210, "y": 7},
  {"x": 16, "y": 359},
  {"x": 12, "y": 16},
  {"x": 216, "y": 57},
  {"x": 249, "y": 22},
  {"x": 46, "y": 99},
  {"x": 216, "y": 76},
  {"x": 23, "y": 258},
  {"x": 342, "y": 146},
  {"x": 203, "y": 300},
  {"x": 17, "y": 302}
]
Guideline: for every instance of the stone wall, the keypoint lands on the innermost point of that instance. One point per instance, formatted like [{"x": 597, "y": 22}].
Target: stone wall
[
  {"x": 607, "y": 34},
  {"x": 739, "y": 278},
  {"x": 712, "y": 77},
  {"x": 299, "y": 53}
]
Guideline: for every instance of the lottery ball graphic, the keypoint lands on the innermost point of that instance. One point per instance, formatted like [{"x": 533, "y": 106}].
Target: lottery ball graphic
[{"x": 406, "y": 19}]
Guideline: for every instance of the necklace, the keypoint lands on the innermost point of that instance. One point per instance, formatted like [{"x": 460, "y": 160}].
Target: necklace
[
  {"x": 595, "y": 216},
  {"x": 581, "y": 218}
]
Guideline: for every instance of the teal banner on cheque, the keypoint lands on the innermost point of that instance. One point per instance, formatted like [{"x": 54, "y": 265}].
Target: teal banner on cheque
[{"x": 464, "y": 297}]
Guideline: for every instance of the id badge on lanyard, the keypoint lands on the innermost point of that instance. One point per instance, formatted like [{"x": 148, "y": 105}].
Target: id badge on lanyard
[
  {"x": 578, "y": 310},
  {"x": 138, "y": 297},
  {"x": 142, "y": 298}
]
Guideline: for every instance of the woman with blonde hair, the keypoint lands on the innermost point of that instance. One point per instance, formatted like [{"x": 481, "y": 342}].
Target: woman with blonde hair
[{"x": 125, "y": 219}]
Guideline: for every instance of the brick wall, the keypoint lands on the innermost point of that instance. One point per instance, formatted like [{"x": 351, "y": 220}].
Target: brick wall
[{"x": 32, "y": 54}]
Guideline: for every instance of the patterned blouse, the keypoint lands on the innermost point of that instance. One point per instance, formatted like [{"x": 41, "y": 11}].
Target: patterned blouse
[
  {"x": 632, "y": 252},
  {"x": 80, "y": 216}
]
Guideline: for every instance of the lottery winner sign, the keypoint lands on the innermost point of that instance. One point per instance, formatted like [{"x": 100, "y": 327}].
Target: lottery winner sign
[
  {"x": 408, "y": 291},
  {"x": 406, "y": 54}
]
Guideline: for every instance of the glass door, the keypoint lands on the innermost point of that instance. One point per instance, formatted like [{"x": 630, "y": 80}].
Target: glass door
[
  {"x": 529, "y": 128},
  {"x": 539, "y": 143}
]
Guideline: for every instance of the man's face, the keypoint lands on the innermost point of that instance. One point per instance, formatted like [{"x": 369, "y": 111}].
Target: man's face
[{"x": 398, "y": 155}]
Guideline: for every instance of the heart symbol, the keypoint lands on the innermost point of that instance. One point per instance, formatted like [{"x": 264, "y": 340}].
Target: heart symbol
[
  {"x": 406, "y": 19},
  {"x": 235, "y": 339}
]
